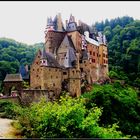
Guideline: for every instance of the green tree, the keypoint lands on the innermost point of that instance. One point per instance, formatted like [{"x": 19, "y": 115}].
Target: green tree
[
  {"x": 66, "y": 118},
  {"x": 120, "y": 105}
]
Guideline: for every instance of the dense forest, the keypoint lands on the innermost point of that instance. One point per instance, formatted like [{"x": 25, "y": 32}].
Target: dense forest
[
  {"x": 123, "y": 36},
  {"x": 107, "y": 111}
]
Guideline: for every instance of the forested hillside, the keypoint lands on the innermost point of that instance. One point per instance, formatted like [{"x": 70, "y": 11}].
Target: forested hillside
[
  {"x": 123, "y": 36},
  {"x": 13, "y": 54}
]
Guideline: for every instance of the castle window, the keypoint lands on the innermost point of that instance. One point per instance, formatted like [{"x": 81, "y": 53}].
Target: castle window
[
  {"x": 103, "y": 55},
  {"x": 51, "y": 76},
  {"x": 38, "y": 70},
  {"x": 36, "y": 75},
  {"x": 81, "y": 69},
  {"x": 104, "y": 61},
  {"x": 37, "y": 63},
  {"x": 56, "y": 77},
  {"x": 80, "y": 61},
  {"x": 106, "y": 56},
  {"x": 43, "y": 61},
  {"x": 97, "y": 54},
  {"x": 73, "y": 71},
  {"x": 93, "y": 60},
  {"x": 33, "y": 69},
  {"x": 93, "y": 53},
  {"x": 90, "y": 52},
  {"x": 84, "y": 61},
  {"x": 64, "y": 73},
  {"x": 54, "y": 84}
]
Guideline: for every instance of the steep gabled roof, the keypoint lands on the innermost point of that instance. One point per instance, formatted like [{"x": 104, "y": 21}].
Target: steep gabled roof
[
  {"x": 71, "y": 42},
  {"x": 13, "y": 78},
  {"x": 51, "y": 61},
  {"x": 70, "y": 55},
  {"x": 68, "y": 41}
]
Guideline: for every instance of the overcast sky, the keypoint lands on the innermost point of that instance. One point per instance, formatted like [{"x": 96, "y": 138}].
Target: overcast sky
[{"x": 25, "y": 21}]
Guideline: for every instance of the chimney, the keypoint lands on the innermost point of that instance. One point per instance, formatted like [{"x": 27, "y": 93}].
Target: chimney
[{"x": 73, "y": 18}]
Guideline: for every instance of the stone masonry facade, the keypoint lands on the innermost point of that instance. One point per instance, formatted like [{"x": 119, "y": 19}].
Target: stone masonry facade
[{"x": 72, "y": 55}]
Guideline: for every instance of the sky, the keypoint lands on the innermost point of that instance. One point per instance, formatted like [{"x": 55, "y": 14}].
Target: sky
[{"x": 25, "y": 21}]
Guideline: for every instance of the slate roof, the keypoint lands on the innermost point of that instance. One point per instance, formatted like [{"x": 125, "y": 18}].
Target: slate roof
[
  {"x": 70, "y": 42},
  {"x": 51, "y": 61},
  {"x": 13, "y": 78},
  {"x": 70, "y": 55},
  {"x": 24, "y": 73},
  {"x": 55, "y": 23}
]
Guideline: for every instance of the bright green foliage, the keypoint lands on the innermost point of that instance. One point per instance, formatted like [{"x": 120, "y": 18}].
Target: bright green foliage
[
  {"x": 120, "y": 105},
  {"x": 67, "y": 118},
  {"x": 8, "y": 109},
  {"x": 25, "y": 85}
]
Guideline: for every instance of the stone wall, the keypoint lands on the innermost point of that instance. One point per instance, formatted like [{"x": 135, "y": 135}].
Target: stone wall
[
  {"x": 74, "y": 85},
  {"x": 77, "y": 40},
  {"x": 8, "y": 86},
  {"x": 35, "y": 72},
  {"x": 93, "y": 54},
  {"x": 103, "y": 55},
  {"x": 29, "y": 96},
  {"x": 51, "y": 78}
]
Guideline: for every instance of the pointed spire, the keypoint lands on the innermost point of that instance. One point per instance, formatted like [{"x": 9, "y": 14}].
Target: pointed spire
[
  {"x": 71, "y": 19},
  {"x": 50, "y": 25},
  {"x": 43, "y": 58},
  {"x": 72, "y": 25},
  {"x": 57, "y": 22}
]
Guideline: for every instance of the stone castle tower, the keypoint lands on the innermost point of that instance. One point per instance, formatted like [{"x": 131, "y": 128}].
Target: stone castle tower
[{"x": 70, "y": 56}]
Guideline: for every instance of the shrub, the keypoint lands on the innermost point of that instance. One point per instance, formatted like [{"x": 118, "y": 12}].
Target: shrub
[
  {"x": 120, "y": 105},
  {"x": 67, "y": 118},
  {"x": 8, "y": 109}
]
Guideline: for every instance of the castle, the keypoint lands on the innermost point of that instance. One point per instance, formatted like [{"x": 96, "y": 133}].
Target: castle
[{"x": 72, "y": 55}]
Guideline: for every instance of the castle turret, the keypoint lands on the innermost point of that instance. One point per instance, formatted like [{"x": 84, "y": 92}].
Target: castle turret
[
  {"x": 71, "y": 25},
  {"x": 43, "y": 60},
  {"x": 50, "y": 25}
]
